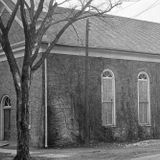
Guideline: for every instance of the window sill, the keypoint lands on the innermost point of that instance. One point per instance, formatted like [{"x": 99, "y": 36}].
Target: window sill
[
  {"x": 145, "y": 125},
  {"x": 111, "y": 126}
]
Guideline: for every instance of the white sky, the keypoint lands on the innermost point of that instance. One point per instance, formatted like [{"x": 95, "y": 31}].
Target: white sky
[
  {"x": 143, "y": 9},
  {"x": 148, "y": 10}
]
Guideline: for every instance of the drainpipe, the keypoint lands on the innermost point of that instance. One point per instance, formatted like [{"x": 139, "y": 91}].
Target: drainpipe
[
  {"x": 87, "y": 125},
  {"x": 46, "y": 116}
]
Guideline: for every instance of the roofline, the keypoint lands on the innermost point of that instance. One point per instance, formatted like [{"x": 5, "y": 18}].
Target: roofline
[
  {"x": 99, "y": 53},
  {"x": 18, "y": 49},
  {"x": 10, "y": 11},
  {"x": 20, "y": 44},
  {"x": 14, "y": 46},
  {"x": 107, "y": 15},
  {"x": 111, "y": 49},
  {"x": 106, "y": 53}
]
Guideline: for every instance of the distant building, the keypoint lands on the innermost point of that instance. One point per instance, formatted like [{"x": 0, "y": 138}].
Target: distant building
[{"x": 123, "y": 87}]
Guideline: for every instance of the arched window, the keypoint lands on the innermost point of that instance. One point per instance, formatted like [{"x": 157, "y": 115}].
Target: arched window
[
  {"x": 144, "y": 115},
  {"x": 7, "y": 103},
  {"x": 108, "y": 98},
  {"x": 5, "y": 118}
]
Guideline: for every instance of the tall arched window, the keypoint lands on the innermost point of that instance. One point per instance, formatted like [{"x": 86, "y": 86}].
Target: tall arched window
[
  {"x": 144, "y": 115},
  {"x": 108, "y": 98},
  {"x": 5, "y": 118}
]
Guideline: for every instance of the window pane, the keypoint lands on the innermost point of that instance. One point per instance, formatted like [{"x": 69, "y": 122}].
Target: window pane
[
  {"x": 104, "y": 112},
  {"x": 107, "y": 90},
  {"x": 143, "y": 110},
  {"x": 143, "y": 91},
  {"x": 143, "y": 84},
  {"x": 107, "y": 113},
  {"x": 107, "y": 74},
  {"x": 108, "y": 105},
  {"x": 142, "y": 76},
  {"x": 7, "y": 102}
]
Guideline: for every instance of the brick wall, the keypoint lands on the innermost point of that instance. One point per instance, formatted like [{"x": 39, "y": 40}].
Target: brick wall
[
  {"x": 37, "y": 109},
  {"x": 66, "y": 99},
  {"x": 7, "y": 88},
  {"x": 36, "y": 102}
]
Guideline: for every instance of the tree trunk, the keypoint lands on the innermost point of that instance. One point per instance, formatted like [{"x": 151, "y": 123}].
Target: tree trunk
[
  {"x": 22, "y": 85},
  {"x": 23, "y": 122}
]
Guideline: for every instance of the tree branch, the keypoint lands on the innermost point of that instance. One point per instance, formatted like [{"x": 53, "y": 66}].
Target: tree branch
[
  {"x": 4, "y": 40},
  {"x": 12, "y": 62},
  {"x": 98, "y": 13},
  {"x": 2, "y": 27},
  {"x": 52, "y": 44},
  {"x": 23, "y": 16},
  {"x": 42, "y": 30},
  {"x": 27, "y": 6},
  {"x": 0, "y": 37},
  {"x": 38, "y": 12},
  {"x": 49, "y": 13},
  {"x": 63, "y": 2},
  {"x": 74, "y": 28},
  {"x": 40, "y": 34},
  {"x": 28, "y": 36},
  {"x": 11, "y": 19},
  {"x": 82, "y": 14},
  {"x": 83, "y": 8},
  {"x": 35, "y": 54},
  {"x": 32, "y": 9}
]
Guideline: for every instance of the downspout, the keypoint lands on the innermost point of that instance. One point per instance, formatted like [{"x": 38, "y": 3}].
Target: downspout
[{"x": 46, "y": 116}]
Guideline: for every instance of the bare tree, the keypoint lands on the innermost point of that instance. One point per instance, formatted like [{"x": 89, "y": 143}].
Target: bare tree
[{"x": 36, "y": 21}]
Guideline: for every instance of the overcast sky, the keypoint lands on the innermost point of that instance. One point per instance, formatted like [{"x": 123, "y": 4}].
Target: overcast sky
[
  {"x": 148, "y": 10},
  {"x": 143, "y": 9}
]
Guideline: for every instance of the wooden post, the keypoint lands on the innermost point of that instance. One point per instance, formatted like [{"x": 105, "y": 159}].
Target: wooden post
[{"x": 87, "y": 118}]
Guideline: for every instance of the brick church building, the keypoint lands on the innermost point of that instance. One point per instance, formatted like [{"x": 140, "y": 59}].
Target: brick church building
[{"x": 123, "y": 83}]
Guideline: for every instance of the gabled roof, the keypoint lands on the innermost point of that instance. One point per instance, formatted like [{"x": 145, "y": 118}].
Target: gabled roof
[
  {"x": 113, "y": 32},
  {"x": 16, "y": 33},
  {"x": 9, "y": 3},
  {"x": 109, "y": 32}
]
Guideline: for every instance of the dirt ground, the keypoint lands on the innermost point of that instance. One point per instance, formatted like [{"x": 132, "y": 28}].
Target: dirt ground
[{"x": 145, "y": 150}]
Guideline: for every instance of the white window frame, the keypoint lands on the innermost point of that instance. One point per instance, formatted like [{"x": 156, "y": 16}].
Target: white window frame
[
  {"x": 114, "y": 97},
  {"x": 3, "y": 107},
  {"x": 149, "y": 108}
]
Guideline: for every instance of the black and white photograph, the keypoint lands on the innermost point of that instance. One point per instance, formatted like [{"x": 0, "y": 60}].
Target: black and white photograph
[{"x": 79, "y": 79}]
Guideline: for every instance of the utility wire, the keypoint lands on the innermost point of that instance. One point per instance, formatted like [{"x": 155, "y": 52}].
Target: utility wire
[
  {"x": 126, "y": 7},
  {"x": 150, "y": 7}
]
